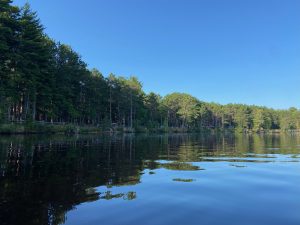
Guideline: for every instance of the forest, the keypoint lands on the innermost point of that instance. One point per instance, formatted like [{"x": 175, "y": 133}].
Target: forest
[{"x": 45, "y": 80}]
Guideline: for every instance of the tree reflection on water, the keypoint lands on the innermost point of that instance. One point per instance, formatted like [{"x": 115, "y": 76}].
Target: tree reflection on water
[{"x": 42, "y": 178}]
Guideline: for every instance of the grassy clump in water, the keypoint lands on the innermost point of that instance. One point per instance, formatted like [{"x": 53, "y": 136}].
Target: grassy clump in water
[
  {"x": 179, "y": 166},
  {"x": 183, "y": 180},
  {"x": 238, "y": 166}
]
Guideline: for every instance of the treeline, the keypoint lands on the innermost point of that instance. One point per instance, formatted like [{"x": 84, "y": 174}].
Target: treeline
[{"x": 44, "y": 80}]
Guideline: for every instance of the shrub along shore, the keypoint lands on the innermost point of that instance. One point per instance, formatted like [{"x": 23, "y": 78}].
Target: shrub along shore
[{"x": 69, "y": 129}]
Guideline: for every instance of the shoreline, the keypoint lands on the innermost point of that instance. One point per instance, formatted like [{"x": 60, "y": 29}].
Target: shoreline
[{"x": 69, "y": 129}]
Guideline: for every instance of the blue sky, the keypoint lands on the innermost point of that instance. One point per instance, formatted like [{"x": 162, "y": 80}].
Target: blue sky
[{"x": 225, "y": 51}]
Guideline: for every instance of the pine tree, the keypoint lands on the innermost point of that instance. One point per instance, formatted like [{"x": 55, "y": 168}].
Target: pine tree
[
  {"x": 33, "y": 59},
  {"x": 9, "y": 28}
]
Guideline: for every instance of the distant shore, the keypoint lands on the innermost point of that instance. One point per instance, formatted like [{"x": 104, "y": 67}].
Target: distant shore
[{"x": 40, "y": 128}]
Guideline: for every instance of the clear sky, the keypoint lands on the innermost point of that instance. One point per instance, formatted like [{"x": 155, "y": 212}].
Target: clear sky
[{"x": 225, "y": 51}]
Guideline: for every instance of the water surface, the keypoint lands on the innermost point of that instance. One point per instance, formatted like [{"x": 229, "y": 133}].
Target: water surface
[{"x": 150, "y": 179}]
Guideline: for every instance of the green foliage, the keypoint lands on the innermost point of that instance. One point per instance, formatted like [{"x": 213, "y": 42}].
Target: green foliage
[
  {"x": 45, "y": 81},
  {"x": 183, "y": 109}
]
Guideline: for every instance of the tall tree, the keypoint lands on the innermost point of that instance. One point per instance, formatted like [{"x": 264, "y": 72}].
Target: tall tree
[
  {"x": 9, "y": 42},
  {"x": 34, "y": 57}
]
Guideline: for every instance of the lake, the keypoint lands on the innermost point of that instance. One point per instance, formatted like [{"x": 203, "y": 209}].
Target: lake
[{"x": 150, "y": 179}]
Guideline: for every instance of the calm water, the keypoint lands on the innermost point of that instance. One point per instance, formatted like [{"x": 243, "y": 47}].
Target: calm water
[{"x": 168, "y": 179}]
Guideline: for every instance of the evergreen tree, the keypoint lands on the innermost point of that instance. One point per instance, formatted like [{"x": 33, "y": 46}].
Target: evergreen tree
[
  {"x": 33, "y": 59},
  {"x": 42, "y": 80},
  {"x": 9, "y": 41}
]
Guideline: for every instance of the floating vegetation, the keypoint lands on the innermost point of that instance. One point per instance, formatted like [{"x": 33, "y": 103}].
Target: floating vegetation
[
  {"x": 151, "y": 172},
  {"x": 238, "y": 166},
  {"x": 128, "y": 181},
  {"x": 171, "y": 166},
  {"x": 179, "y": 166},
  {"x": 183, "y": 180}
]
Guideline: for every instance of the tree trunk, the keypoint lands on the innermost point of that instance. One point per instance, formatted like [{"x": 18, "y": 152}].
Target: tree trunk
[
  {"x": 110, "y": 100},
  {"x": 26, "y": 103},
  {"x": 34, "y": 107},
  {"x": 131, "y": 111}
]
